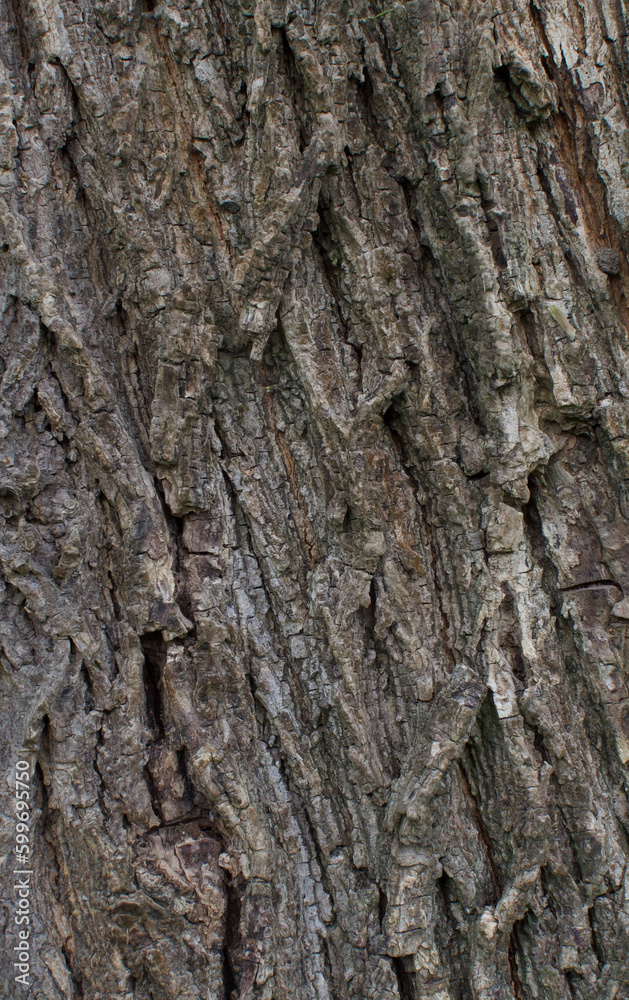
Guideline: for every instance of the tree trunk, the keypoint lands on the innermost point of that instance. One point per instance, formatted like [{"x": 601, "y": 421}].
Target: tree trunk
[{"x": 314, "y": 479}]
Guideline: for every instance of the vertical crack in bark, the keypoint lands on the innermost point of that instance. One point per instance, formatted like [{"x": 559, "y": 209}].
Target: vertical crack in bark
[
  {"x": 382, "y": 906},
  {"x": 405, "y": 979},
  {"x": 175, "y": 529},
  {"x": 182, "y": 767},
  {"x": 595, "y": 942},
  {"x": 516, "y": 982},
  {"x": 324, "y": 246},
  {"x": 232, "y": 938},
  {"x": 77, "y": 981},
  {"x": 89, "y": 689},
  {"x": 154, "y": 650},
  {"x": 289, "y": 67},
  {"x": 496, "y": 874}
]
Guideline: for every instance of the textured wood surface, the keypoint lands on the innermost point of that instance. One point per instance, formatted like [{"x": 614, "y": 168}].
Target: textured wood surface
[{"x": 314, "y": 470}]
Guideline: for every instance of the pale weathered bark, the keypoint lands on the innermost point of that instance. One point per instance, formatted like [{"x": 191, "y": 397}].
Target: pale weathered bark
[{"x": 314, "y": 472}]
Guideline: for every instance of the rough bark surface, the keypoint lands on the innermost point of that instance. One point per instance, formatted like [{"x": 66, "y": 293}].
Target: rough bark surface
[{"x": 314, "y": 479}]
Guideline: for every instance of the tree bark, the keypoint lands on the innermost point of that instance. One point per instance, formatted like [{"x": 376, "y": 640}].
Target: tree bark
[{"x": 314, "y": 471}]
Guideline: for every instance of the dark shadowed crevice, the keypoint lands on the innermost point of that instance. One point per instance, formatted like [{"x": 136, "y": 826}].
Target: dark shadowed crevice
[
  {"x": 330, "y": 259},
  {"x": 69, "y": 165},
  {"x": 89, "y": 690},
  {"x": 382, "y": 906},
  {"x": 476, "y": 477},
  {"x": 232, "y": 938},
  {"x": 111, "y": 591},
  {"x": 546, "y": 54},
  {"x": 595, "y": 940},
  {"x": 100, "y": 781},
  {"x": 405, "y": 978},
  {"x": 44, "y": 754},
  {"x": 182, "y": 767},
  {"x": 154, "y": 650},
  {"x": 41, "y": 792},
  {"x": 153, "y": 793},
  {"x": 493, "y": 235},
  {"x": 591, "y": 585},
  {"x": 364, "y": 95},
  {"x": 573, "y": 980},
  {"x": 74, "y": 95},
  {"x": 77, "y": 981},
  {"x": 175, "y": 525},
  {"x": 409, "y": 191},
  {"x": 393, "y": 420},
  {"x": 370, "y": 617},
  {"x": 503, "y": 77},
  {"x": 512, "y": 955},
  {"x": 544, "y": 389},
  {"x": 534, "y": 533},
  {"x": 452, "y": 944},
  {"x": 348, "y": 517},
  {"x": 352, "y": 177}
]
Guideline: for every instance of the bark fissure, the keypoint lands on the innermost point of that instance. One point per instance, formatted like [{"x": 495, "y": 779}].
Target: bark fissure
[
  {"x": 154, "y": 649},
  {"x": 496, "y": 874}
]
